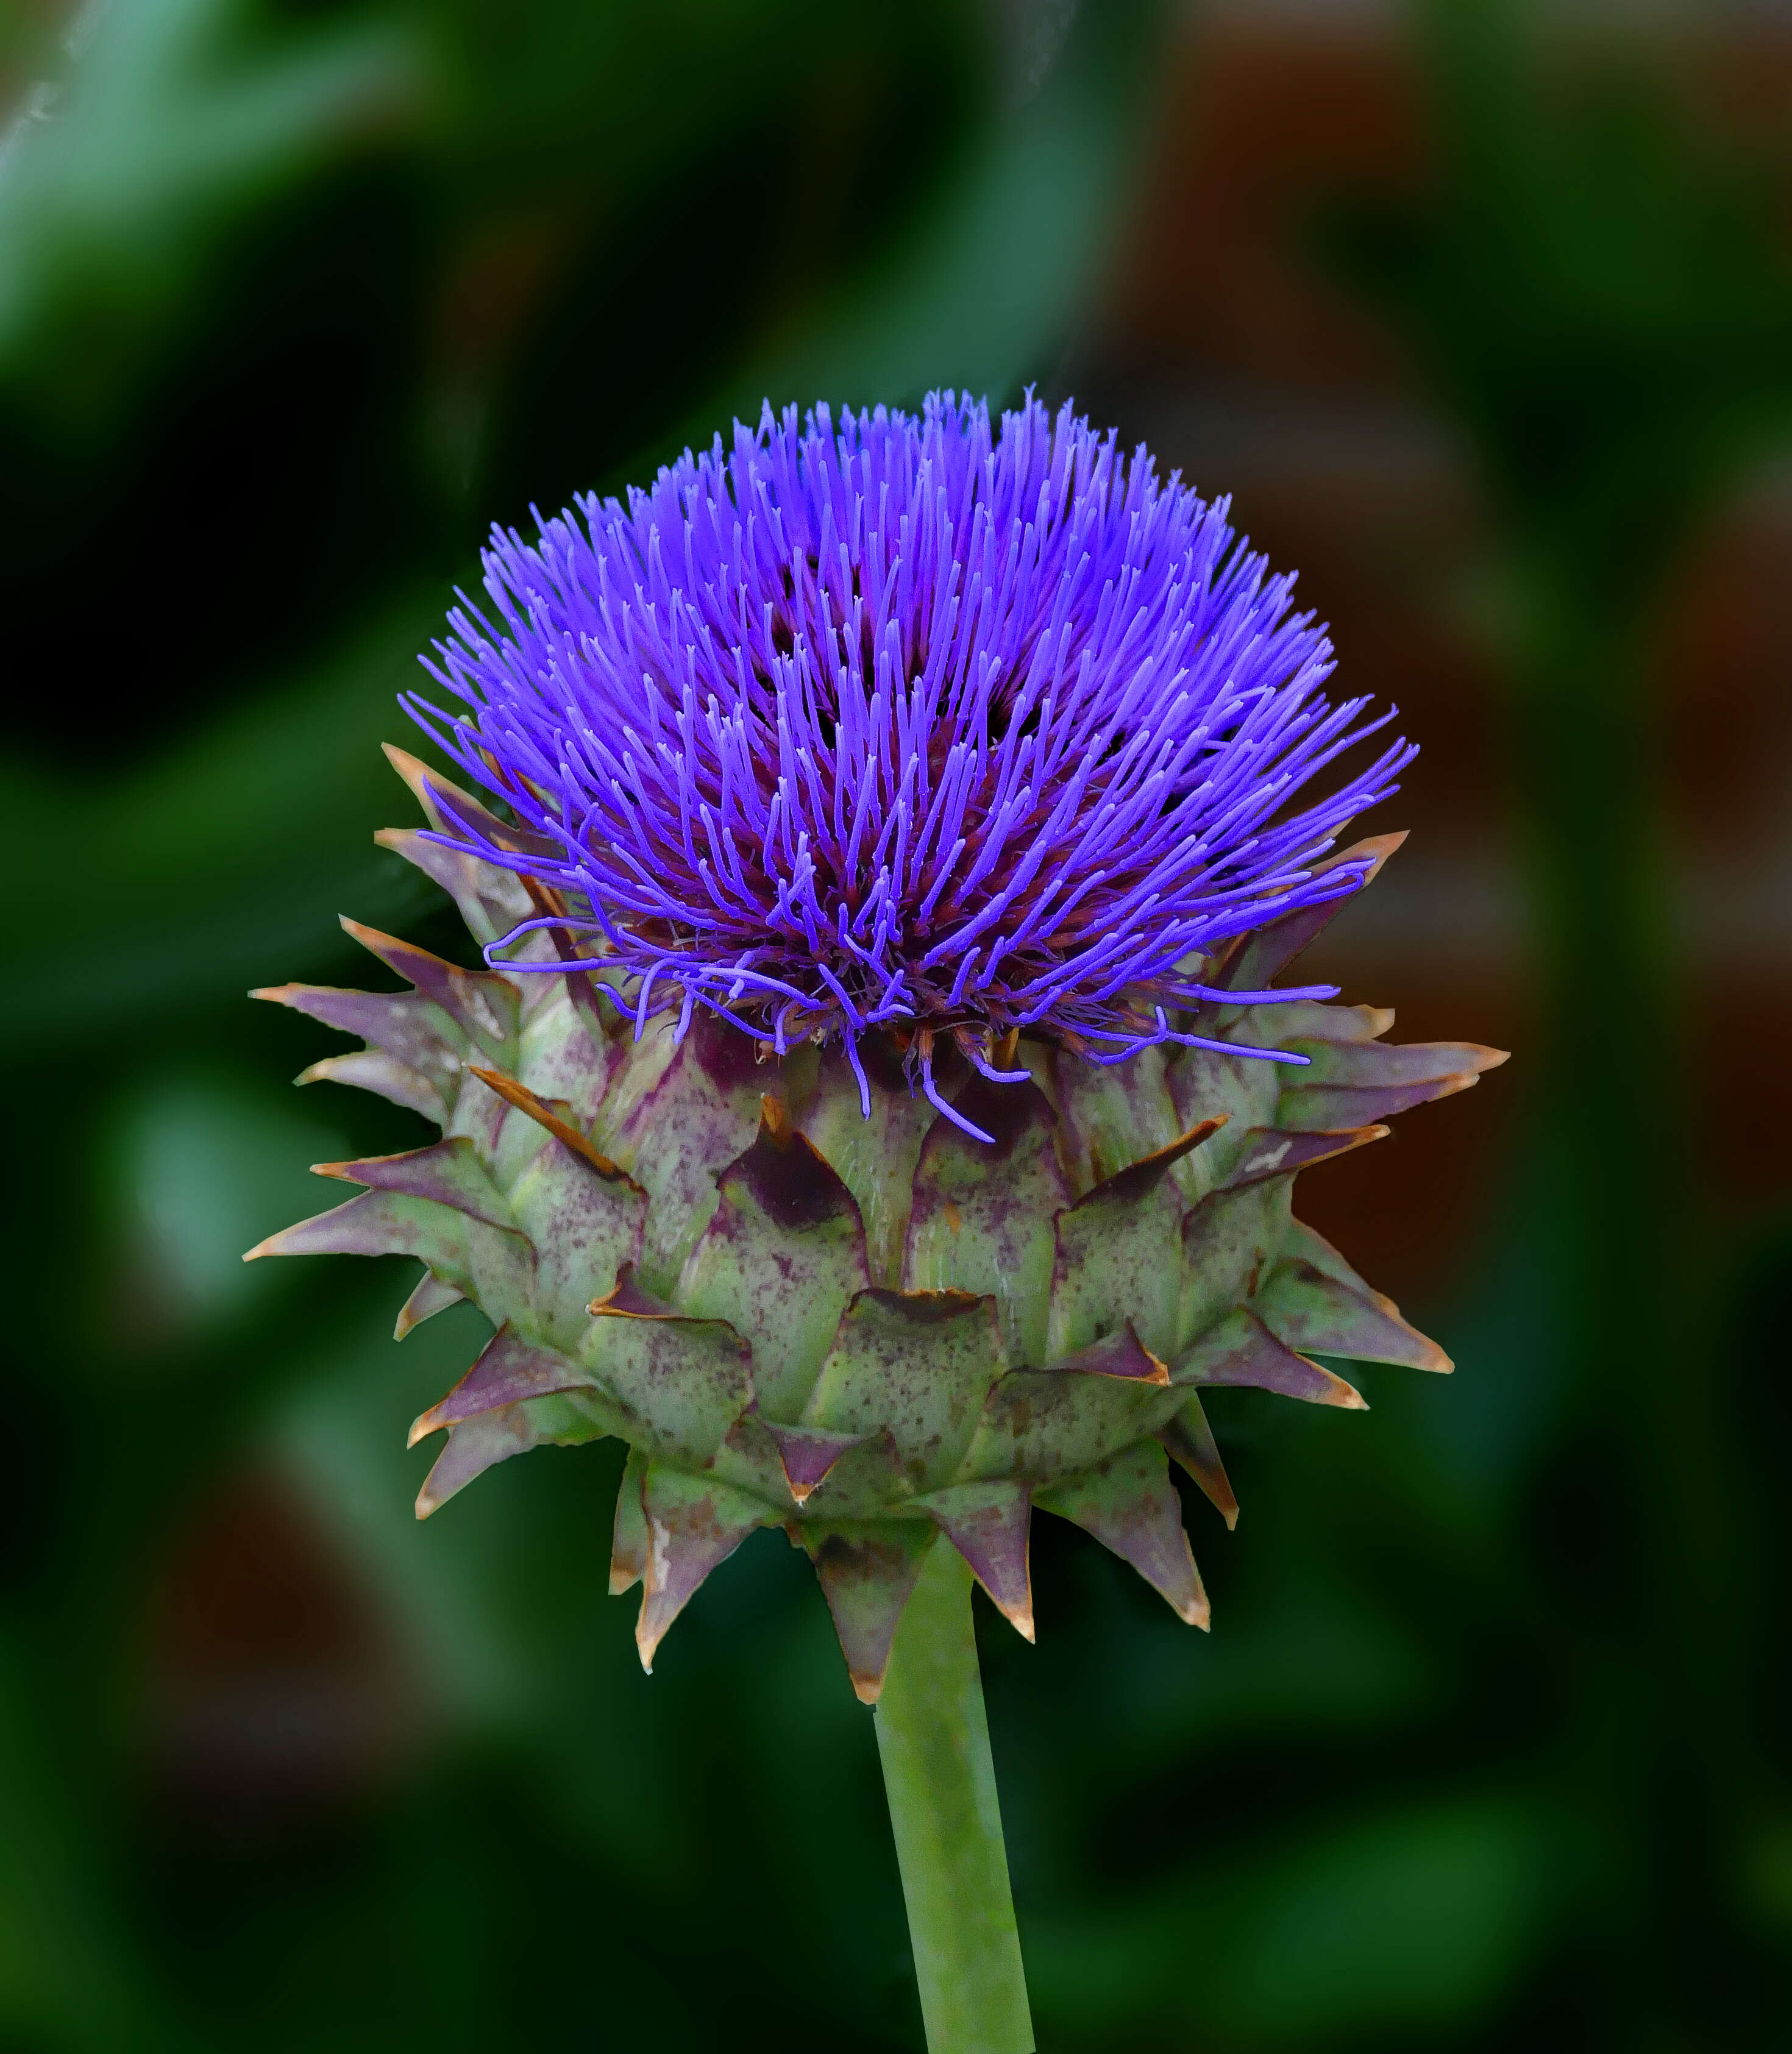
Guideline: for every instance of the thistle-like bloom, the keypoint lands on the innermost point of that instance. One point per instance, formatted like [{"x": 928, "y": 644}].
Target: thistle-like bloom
[
  {"x": 932, "y": 806},
  {"x": 948, "y": 727}
]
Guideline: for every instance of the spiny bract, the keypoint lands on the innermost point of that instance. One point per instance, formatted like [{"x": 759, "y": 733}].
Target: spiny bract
[{"x": 874, "y": 1330}]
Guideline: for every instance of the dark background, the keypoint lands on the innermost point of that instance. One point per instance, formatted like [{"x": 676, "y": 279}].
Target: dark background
[{"x": 1485, "y": 318}]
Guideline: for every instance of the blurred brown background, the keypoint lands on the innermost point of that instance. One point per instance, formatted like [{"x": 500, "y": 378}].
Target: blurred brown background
[{"x": 1225, "y": 342}]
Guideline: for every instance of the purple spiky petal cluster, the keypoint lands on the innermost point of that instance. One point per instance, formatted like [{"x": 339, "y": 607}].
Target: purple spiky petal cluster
[{"x": 925, "y": 723}]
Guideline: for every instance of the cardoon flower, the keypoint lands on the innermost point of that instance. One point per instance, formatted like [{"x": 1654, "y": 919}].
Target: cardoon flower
[{"x": 876, "y": 1109}]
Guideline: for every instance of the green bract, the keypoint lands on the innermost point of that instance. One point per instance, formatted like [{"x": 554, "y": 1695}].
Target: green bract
[{"x": 873, "y": 1333}]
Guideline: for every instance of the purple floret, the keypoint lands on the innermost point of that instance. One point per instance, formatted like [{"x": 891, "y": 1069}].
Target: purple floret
[{"x": 919, "y": 723}]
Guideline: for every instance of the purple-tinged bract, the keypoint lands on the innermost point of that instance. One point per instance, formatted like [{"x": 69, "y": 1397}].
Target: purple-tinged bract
[{"x": 923, "y": 723}]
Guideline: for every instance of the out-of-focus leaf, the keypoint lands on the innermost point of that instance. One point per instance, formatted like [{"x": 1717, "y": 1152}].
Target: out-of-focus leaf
[
  {"x": 1600, "y": 290},
  {"x": 172, "y": 125},
  {"x": 219, "y": 864},
  {"x": 1412, "y": 1920},
  {"x": 982, "y": 296},
  {"x": 201, "y": 1161},
  {"x": 71, "y": 1973}
]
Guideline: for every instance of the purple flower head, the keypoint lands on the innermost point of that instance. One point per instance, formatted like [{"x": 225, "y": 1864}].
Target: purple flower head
[{"x": 931, "y": 724}]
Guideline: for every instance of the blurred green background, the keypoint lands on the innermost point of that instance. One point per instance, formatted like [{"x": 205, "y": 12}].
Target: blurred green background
[{"x": 1485, "y": 318}]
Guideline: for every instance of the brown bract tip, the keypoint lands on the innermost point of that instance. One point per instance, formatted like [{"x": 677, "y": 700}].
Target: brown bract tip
[
  {"x": 989, "y": 1524},
  {"x": 1138, "y": 1177},
  {"x": 807, "y": 1453},
  {"x": 538, "y": 1110},
  {"x": 1121, "y": 1354},
  {"x": 431, "y": 1296},
  {"x": 415, "y": 773},
  {"x": 1377, "y": 849},
  {"x": 628, "y": 1301},
  {"x": 1189, "y": 1439}
]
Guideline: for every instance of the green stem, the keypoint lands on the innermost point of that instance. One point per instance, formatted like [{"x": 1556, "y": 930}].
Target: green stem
[{"x": 934, "y": 1742}]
